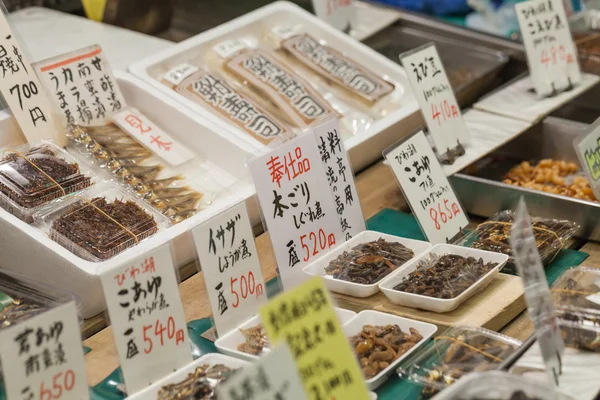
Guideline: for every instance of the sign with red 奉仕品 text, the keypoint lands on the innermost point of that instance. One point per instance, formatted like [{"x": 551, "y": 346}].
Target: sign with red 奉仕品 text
[
  {"x": 427, "y": 188},
  {"x": 300, "y": 215},
  {"x": 147, "y": 318},
  {"x": 234, "y": 281}
]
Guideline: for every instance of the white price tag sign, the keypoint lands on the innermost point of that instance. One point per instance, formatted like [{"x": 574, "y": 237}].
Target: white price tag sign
[
  {"x": 337, "y": 13},
  {"x": 177, "y": 74},
  {"x": 229, "y": 47},
  {"x": 587, "y": 147},
  {"x": 299, "y": 214},
  {"x": 537, "y": 293},
  {"x": 234, "y": 281},
  {"x": 42, "y": 357},
  {"x": 436, "y": 98},
  {"x": 82, "y": 86},
  {"x": 273, "y": 377},
  {"x": 147, "y": 317},
  {"x": 155, "y": 139},
  {"x": 551, "y": 53},
  {"x": 340, "y": 177},
  {"x": 427, "y": 189},
  {"x": 24, "y": 92}
]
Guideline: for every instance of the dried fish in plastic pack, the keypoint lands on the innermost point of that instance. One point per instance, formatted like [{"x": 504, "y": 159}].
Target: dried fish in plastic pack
[
  {"x": 198, "y": 385},
  {"x": 256, "y": 340}
]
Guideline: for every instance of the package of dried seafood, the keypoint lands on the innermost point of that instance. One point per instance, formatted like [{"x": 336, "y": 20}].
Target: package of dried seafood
[
  {"x": 576, "y": 298},
  {"x": 494, "y": 235},
  {"x": 34, "y": 175},
  {"x": 199, "y": 384},
  {"x": 256, "y": 340},
  {"x": 458, "y": 351},
  {"x": 100, "y": 222}
]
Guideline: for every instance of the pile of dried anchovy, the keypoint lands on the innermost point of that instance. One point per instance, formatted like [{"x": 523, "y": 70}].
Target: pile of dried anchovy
[
  {"x": 199, "y": 385},
  {"x": 368, "y": 263},
  {"x": 378, "y": 346},
  {"x": 444, "y": 277},
  {"x": 256, "y": 340}
]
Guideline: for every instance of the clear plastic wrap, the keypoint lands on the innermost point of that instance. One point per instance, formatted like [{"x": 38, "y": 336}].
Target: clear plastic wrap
[
  {"x": 576, "y": 298},
  {"x": 457, "y": 352},
  {"x": 494, "y": 235},
  {"x": 101, "y": 222},
  {"x": 34, "y": 175},
  {"x": 588, "y": 49}
]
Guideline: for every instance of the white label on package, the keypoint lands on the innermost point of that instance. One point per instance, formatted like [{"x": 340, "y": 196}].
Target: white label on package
[
  {"x": 537, "y": 293},
  {"x": 337, "y": 13},
  {"x": 152, "y": 137},
  {"x": 229, "y": 47},
  {"x": 273, "y": 377},
  {"x": 587, "y": 147},
  {"x": 24, "y": 92},
  {"x": 234, "y": 281},
  {"x": 299, "y": 214},
  {"x": 146, "y": 315},
  {"x": 42, "y": 357},
  {"x": 427, "y": 189},
  {"x": 551, "y": 53},
  {"x": 436, "y": 98},
  {"x": 82, "y": 86},
  {"x": 283, "y": 32},
  {"x": 340, "y": 178},
  {"x": 177, "y": 74}
]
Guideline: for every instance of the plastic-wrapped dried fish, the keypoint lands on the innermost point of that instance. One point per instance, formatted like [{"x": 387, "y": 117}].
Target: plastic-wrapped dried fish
[{"x": 199, "y": 385}]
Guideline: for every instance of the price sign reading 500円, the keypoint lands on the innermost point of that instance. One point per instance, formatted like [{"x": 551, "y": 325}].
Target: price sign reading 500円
[
  {"x": 427, "y": 189},
  {"x": 551, "y": 54}
]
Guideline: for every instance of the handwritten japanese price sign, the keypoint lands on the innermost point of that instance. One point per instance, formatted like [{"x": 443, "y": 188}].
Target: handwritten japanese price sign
[
  {"x": 587, "y": 147},
  {"x": 551, "y": 54},
  {"x": 82, "y": 86},
  {"x": 273, "y": 377},
  {"x": 147, "y": 317},
  {"x": 337, "y": 13},
  {"x": 42, "y": 357},
  {"x": 299, "y": 214},
  {"x": 438, "y": 104},
  {"x": 427, "y": 189},
  {"x": 155, "y": 139},
  {"x": 537, "y": 294},
  {"x": 339, "y": 175},
  {"x": 232, "y": 273},
  {"x": 23, "y": 91},
  {"x": 305, "y": 319}
]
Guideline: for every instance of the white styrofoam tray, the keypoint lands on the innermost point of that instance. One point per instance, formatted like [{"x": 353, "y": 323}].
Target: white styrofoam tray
[
  {"x": 432, "y": 303},
  {"x": 317, "y": 267},
  {"x": 27, "y": 250},
  {"x": 228, "y": 343},
  {"x": 376, "y": 318},
  {"x": 364, "y": 148},
  {"x": 151, "y": 392}
]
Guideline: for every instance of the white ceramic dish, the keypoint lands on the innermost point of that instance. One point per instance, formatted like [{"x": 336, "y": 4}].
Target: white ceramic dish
[
  {"x": 228, "y": 343},
  {"x": 369, "y": 317},
  {"x": 151, "y": 392},
  {"x": 432, "y": 303},
  {"x": 364, "y": 148},
  {"x": 317, "y": 267}
]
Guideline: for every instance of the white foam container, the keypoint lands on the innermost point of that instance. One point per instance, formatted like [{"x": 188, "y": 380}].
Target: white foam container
[
  {"x": 432, "y": 303},
  {"x": 317, "y": 267},
  {"x": 375, "y": 318},
  {"x": 363, "y": 148},
  {"x": 228, "y": 343},
  {"x": 28, "y": 251},
  {"x": 151, "y": 392}
]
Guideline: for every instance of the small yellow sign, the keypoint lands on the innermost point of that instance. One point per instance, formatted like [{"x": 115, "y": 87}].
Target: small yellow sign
[
  {"x": 306, "y": 320},
  {"x": 94, "y": 9}
]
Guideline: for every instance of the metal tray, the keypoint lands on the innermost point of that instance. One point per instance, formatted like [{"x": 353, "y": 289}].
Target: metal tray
[
  {"x": 482, "y": 192},
  {"x": 472, "y": 70}
]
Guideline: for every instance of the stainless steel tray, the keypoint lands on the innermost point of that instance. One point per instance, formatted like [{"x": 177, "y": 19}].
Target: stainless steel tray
[{"x": 482, "y": 192}]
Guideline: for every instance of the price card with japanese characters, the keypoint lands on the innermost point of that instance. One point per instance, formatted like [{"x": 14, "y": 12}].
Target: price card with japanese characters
[
  {"x": 42, "y": 357},
  {"x": 551, "y": 53},
  {"x": 24, "y": 92},
  {"x": 340, "y": 178},
  {"x": 147, "y": 318},
  {"x": 82, "y": 86},
  {"x": 273, "y": 377},
  {"x": 299, "y": 214},
  {"x": 587, "y": 147},
  {"x": 337, "y": 13},
  {"x": 436, "y": 98},
  {"x": 229, "y": 260},
  {"x": 305, "y": 319},
  {"x": 537, "y": 294},
  {"x": 427, "y": 189}
]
